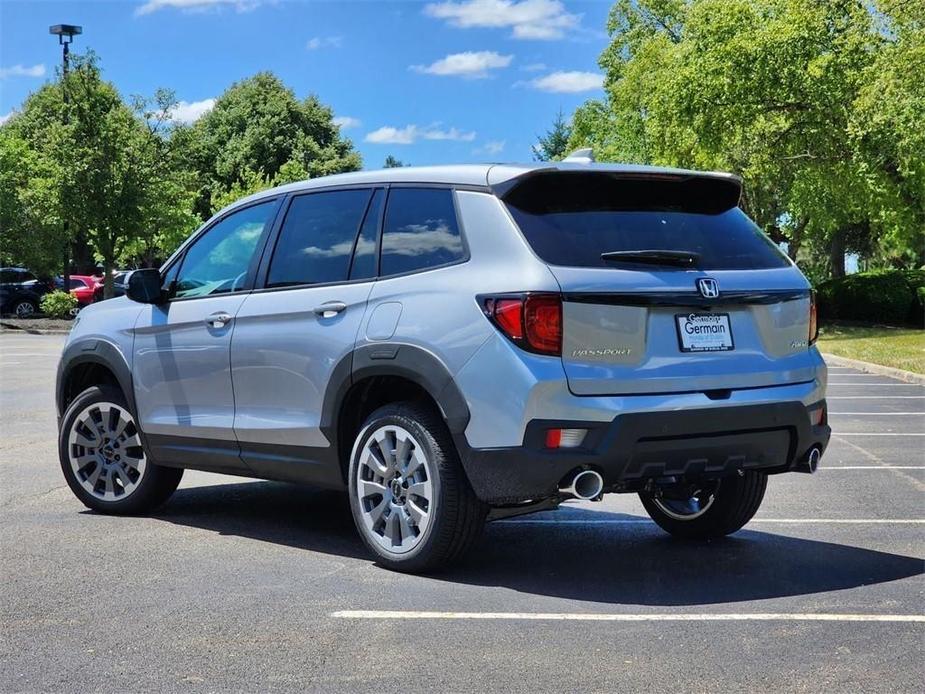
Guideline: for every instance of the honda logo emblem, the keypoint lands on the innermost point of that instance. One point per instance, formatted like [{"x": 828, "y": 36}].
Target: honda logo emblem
[{"x": 708, "y": 287}]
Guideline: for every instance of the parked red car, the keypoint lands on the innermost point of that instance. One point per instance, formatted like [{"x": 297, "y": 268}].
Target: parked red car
[{"x": 82, "y": 287}]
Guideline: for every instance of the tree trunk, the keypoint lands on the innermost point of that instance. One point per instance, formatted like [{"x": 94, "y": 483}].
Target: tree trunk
[
  {"x": 108, "y": 265},
  {"x": 796, "y": 240},
  {"x": 837, "y": 254}
]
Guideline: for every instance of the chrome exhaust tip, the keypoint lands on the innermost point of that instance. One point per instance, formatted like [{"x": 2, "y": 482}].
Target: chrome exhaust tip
[
  {"x": 811, "y": 463},
  {"x": 586, "y": 485}
]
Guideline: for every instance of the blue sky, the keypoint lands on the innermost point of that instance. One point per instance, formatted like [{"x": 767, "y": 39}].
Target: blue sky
[{"x": 428, "y": 82}]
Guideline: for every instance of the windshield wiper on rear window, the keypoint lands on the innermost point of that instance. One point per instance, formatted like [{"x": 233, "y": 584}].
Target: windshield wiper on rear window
[{"x": 653, "y": 257}]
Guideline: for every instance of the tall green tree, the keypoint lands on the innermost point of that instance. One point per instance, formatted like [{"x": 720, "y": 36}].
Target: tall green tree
[
  {"x": 392, "y": 163},
  {"x": 553, "y": 146},
  {"x": 256, "y": 127},
  {"x": 103, "y": 167},
  {"x": 783, "y": 93}
]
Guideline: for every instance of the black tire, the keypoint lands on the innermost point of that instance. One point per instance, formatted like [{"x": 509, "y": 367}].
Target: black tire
[
  {"x": 736, "y": 500},
  {"x": 457, "y": 515},
  {"x": 153, "y": 486}
]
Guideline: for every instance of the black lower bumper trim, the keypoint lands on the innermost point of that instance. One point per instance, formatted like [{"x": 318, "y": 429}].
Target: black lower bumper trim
[{"x": 637, "y": 447}]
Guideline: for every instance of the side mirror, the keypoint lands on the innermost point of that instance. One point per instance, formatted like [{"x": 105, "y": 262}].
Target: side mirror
[{"x": 144, "y": 286}]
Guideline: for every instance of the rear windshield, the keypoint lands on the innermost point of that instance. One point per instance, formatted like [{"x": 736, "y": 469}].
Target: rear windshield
[{"x": 571, "y": 219}]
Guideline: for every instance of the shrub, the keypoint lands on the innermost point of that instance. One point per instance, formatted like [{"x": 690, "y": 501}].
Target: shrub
[
  {"x": 891, "y": 297},
  {"x": 58, "y": 304}
]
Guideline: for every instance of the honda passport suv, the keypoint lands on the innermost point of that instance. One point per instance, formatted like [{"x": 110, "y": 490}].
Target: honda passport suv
[{"x": 456, "y": 344}]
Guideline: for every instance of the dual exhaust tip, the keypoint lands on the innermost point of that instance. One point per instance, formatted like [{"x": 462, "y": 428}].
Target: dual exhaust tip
[{"x": 586, "y": 485}]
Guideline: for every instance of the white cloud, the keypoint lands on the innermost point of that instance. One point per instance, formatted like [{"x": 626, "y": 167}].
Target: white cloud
[
  {"x": 471, "y": 64},
  {"x": 566, "y": 82},
  {"x": 389, "y": 135},
  {"x": 4, "y": 119},
  {"x": 347, "y": 122},
  {"x": 491, "y": 148},
  {"x": 196, "y": 5},
  {"x": 191, "y": 111},
  {"x": 324, "y": 42},
  {"x": 528, "y": 19},
  {"x": 534, "y": 67},
  {"x": 22, "y": 71}
]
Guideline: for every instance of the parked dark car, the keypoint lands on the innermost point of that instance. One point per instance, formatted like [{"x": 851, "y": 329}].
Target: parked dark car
[{"x": 21, "y": 292}]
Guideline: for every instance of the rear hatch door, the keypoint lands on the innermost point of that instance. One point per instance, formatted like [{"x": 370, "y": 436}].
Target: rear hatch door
[{"x": 689, "y": 295}]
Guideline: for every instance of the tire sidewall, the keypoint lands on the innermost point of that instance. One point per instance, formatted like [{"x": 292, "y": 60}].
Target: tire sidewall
[{"x": 385, "y": 416}]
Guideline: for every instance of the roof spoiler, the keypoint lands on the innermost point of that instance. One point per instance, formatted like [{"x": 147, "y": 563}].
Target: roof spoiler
[{"x": 705, "y": 192}]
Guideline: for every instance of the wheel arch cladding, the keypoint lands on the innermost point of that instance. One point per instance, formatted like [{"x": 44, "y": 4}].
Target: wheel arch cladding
[
  {"x": 421, "y": 372},
  {"x": 88, "y": 363}
]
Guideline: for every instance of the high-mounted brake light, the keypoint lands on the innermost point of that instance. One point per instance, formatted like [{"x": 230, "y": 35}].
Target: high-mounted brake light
[
  {"x": 813, "y": 320},
  {"x": 531, "y": 321}
]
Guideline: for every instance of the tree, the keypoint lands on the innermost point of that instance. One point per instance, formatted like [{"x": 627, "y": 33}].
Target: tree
[
  {"x": 783, "y": 92},
  {"x": 554, "y": 145},
  {"x": 257, "y": 127},
  {"x": 392, "y": 163},
  {"x": 104, "y": 168}
]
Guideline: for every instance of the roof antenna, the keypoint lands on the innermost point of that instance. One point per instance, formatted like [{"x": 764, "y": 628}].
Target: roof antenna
[{"x": 581, "y": 156}]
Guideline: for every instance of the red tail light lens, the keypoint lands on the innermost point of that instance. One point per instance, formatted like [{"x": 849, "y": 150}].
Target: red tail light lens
[
  {"x": 813, "y": 321},
  {"x": 531, "y": 321}
]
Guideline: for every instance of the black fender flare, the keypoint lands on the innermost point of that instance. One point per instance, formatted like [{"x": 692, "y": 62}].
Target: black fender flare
[
  {"x": 93, "y": 351},
  {"x": 394, "y": 359}
]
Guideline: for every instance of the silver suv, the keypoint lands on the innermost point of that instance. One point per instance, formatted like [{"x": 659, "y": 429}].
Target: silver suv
[{"x": 456, "y": 344}]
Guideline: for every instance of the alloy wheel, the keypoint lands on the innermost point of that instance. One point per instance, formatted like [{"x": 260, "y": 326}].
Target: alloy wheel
[
  {"x": 395, "y": 489},
  {"x": 105, "y": 451},
  {"x": 24, "y": 309}
]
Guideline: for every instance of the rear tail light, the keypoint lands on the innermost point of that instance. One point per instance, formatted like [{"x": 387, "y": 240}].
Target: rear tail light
[
  {"x": 531, "y": 321},
  {"x": 813, "y": 321},
  {"x": 565, "y": 438}
]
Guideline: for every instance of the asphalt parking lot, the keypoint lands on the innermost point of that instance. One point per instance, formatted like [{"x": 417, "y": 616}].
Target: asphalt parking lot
[{"x": 246, "y": 585}]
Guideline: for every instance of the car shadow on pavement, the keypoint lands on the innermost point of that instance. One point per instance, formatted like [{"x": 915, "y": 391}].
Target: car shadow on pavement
[{"x": 620, "y": 563}]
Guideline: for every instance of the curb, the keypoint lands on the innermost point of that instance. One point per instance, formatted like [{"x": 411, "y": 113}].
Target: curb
[
  {"x": 9, "y": 328},
  {"x": 908, "y": 376}
]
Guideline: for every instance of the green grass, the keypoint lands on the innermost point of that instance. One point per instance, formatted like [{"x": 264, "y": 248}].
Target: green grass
[{"x": 901, "y": 348}]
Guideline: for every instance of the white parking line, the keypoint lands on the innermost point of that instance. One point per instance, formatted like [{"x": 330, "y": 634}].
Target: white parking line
[
  {"x": 872, "y": 467},
  {"x": 880, "y": 414},
  {"x": 878, "y": 433},
  {"x": 656, "y": 617},
  {"x": 875, "y": 397},
  {"x": 887, "y": 384},
  {"x": 782, "y": 521}
]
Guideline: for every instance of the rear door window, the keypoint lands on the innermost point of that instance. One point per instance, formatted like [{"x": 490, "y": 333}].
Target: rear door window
[
  {"x": 571, "y": 219},
  {"x": 420, "y": 231},
  {"x": 317, "y": 238}
]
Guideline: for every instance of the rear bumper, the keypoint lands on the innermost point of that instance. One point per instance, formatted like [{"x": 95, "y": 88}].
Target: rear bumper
[{"x": 636, "y": 447}]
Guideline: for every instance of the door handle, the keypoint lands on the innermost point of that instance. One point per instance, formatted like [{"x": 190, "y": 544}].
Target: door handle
[
  {"x": 329, "y": 309},
  {"x": 218, "y": 320}
]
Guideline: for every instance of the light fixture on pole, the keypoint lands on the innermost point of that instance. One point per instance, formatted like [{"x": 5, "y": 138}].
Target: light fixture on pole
[{"x": 65, "y": 34}]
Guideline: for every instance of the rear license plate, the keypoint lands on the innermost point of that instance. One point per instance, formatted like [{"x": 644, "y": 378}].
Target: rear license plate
[{"x": 704, "y": 332}]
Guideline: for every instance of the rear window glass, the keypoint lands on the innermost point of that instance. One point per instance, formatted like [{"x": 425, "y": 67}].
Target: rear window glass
[
  {"x": 317, "y": 238},
  {"x": 420, "y": 230},
  {"x": 571, "y": 219}
]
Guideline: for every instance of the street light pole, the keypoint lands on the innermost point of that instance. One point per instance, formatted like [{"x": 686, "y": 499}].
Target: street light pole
[{"x": 65, "y": 34}]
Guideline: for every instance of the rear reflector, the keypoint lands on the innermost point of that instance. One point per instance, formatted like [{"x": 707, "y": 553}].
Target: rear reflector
[
  {"x": 565, "y": 438},
  {"x": 531, "y": 321}
]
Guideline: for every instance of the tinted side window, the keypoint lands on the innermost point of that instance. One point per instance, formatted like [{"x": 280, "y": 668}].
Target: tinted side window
[
  {"x": 316, "y": 240},
  {"x": 364, "y": 256},
  {"x": 218, "y": 261},
  {"x": 420, "y": 230}
]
